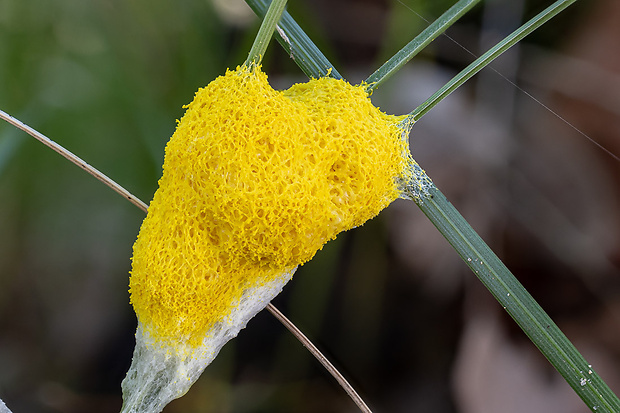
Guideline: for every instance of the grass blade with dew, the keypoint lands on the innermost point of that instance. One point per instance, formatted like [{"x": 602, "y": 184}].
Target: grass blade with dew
[
  {"x": 479, "y": 64},
  {"x": 516, "y": 300},
  {"x": 297, "y": 43},
  {"x": 528, "y": 314},
  {"x": 419, "y": 42}
]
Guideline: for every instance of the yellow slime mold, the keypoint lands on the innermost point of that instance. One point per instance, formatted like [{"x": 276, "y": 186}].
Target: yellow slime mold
[{"x": 255, "y": 182}]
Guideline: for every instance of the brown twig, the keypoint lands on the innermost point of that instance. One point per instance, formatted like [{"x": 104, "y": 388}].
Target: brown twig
[
  {"x": 74, "y": 159},
  {"x": 320, "y": 357}
]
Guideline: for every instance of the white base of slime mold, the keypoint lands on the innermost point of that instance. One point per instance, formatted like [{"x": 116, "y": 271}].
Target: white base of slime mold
[
  {"x": 3, "y": 408},
  {"x": 160, "y": 373}
]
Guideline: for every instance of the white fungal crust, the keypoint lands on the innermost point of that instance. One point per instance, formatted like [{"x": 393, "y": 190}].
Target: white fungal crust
[{"x": 160, "y": 373}]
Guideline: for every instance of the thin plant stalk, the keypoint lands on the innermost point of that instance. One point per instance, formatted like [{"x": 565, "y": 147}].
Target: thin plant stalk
[
  {"x": 297, "y": 44},
  {"x": 303, "y": 339},
  {"x": 74, "y": 159},
  {"x": 265, "y": 32},
  {"x": 481, "y": 62},
  {"x": 321, "y": 358},
  {"x": 418, "y": 43}
]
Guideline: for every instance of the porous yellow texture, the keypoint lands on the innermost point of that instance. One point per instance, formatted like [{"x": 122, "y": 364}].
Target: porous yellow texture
[{"x": 254, "y": 182}]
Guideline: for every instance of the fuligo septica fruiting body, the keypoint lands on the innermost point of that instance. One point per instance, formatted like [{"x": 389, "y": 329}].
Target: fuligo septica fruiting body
[{"x": 255, "y": 181}]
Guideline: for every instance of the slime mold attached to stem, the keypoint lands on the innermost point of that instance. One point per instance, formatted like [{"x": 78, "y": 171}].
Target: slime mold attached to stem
[{"x": 255, "y": 182}]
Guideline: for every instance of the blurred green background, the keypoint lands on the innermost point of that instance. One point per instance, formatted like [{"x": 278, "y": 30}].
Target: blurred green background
[{"x": 389, "y": 302}]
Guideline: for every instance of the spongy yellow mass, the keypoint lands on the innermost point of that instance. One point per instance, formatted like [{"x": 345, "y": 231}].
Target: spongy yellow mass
[{"x": 254, "y": 182}]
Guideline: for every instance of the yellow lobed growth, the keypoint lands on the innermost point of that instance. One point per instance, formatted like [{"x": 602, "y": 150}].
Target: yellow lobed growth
[{"x": 255, "y": 181}]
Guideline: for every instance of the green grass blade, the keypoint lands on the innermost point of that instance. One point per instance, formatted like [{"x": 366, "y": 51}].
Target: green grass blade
[
  {"x": 419, "y": 42},
  {"x": 490, "y": 55},
  {"x": 297, "y": 43},
  {"x": 538, "y": 326},
  {"x": 515, "y": 299},
  {"x": 267, "y": 27}
]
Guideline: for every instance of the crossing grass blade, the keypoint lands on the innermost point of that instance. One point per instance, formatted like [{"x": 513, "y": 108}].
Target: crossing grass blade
[
  {"x": 419, "y": 42},
  {"x": 478, "y": 256},
  {"x": 493, "y": 53},
  {"x": 297, "y": 44},
  {"x": 265, "y": 33},
  {"x": 521, "y": 306}
]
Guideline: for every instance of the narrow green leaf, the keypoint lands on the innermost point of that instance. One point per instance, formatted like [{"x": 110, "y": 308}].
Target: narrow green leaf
[
  {"x": 419, "y": 42},
  {"x": 297, "y": 43},
  {"x": 541, "y": 330},
  {"x": 489, "y": 56},
  {"x": 515, "y": 299},
  {"x": 267, "y": 27}
]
